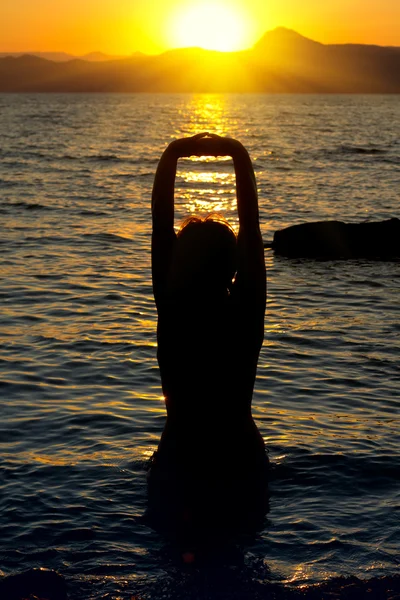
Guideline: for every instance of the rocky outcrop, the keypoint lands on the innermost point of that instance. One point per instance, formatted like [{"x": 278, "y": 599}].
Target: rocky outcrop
[{"x": 338, "y": 240}]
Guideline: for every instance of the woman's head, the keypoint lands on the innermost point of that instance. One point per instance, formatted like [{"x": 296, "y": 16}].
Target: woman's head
[{"x": 204, "y": 256}]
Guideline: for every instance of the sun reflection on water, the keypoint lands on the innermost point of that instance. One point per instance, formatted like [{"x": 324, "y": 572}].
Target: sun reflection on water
[
  {"x": 207, "y": 177},
  {"x": 206, "y": 112},
  {"x": 206, "y": 184}
]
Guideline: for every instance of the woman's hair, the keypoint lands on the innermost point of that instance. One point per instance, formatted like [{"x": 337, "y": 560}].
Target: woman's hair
[{"x": 204, "y": 255}]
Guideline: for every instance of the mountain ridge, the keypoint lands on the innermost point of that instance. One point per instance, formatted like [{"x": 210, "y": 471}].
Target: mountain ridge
[
  {"x": 282, "y": 61},
  {"x": 95, "y": 56}
]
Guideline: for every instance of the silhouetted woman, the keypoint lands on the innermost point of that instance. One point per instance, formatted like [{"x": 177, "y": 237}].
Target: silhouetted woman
[{"x": 209, "y": 472}]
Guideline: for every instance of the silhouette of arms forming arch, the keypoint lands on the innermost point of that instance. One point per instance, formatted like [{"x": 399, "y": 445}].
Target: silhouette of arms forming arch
[{"x": 250, "y": 277}]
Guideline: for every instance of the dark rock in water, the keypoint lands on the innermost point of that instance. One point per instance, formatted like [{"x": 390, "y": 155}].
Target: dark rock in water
[
  {"x": 335, "y": 239},
  {"x": 35, "y": 583}
]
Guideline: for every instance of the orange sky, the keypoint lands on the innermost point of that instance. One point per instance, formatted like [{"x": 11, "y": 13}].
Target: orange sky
[{"x": 152, "y": 26}]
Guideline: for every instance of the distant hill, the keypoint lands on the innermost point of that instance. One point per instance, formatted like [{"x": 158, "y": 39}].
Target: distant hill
[
  {"x": 55, "y": 56},
  {"x": 63, "y": 56},
  {"x": 282, "y": 61}
]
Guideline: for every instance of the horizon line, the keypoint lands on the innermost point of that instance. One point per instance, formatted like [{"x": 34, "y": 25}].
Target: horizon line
[{"x": 136, "y": 52}]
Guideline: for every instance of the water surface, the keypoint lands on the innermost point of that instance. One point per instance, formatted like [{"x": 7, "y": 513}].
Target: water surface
[{"x": 82, "y": 409}]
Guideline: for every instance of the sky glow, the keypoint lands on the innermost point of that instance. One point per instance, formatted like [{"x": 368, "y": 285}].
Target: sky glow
[
  {"x": 211, "y": 25},
  {"x": 153, "y": 26}
]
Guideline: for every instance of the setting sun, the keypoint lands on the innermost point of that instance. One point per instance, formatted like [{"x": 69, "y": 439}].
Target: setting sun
[{"x": 213, "y": 26}]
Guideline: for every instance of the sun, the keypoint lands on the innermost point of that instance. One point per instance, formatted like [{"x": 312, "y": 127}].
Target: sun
[{"x": 210, "y": 25}]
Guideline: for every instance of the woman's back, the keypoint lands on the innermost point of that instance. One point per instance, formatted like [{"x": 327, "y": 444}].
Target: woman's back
[{"x": 207, "y": 354}]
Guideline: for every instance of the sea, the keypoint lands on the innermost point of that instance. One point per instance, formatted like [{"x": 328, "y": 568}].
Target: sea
[{"x": 82, "y": 409}]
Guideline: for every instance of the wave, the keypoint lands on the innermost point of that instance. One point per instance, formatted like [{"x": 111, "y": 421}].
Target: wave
[
  {"x": 105, "y": 157},
  {"x": 391, "y": 160},
  {"x": 346, "y": 151},
  {"x": 214, "y": 581},
  {"x": 381, "y": 471},
  {"x": 132, "y": 175},
  {"x": 40, "y": 240},
  {"x": 107, "y": 237},
  {"x": 69, "y": 157},
  {"x": 28, "y": 206},
  {"x": 28, "y": 151},
  {"x": 361, "y": 150},
  {"x": 349, "y": 149},
  {"x": 256, "y": 582},
  {"x": 5, "y": 183},
  {"x": 92, "y": 213},
  {"x": 141, "y": 160},
  {"x": 94, "y": 238},
  {"x": 33, "y": 153}
]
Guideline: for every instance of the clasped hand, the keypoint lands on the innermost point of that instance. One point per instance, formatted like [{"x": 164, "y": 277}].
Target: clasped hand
[{"x": 205, "y": 144}]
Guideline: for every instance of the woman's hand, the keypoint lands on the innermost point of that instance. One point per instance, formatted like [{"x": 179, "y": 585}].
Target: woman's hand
[
  {"x": 205, "y": 144},
  {"x": 185, "y": 147},
  {"x": 216, "y": 145}
]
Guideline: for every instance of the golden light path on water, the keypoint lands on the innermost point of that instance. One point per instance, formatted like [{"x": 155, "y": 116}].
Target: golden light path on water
[
  {"x": 211, "y": 187},
  {"x": 206, "y": 112}
]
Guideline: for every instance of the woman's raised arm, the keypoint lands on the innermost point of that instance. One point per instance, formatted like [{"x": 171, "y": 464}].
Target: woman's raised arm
[
  {"x": 251, "y": 262},
  {"x": 162, "y": 208}
]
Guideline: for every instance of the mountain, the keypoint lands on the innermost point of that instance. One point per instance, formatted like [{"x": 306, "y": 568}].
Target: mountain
[
  {"x": 281, "y": 61},
  {"x": 64, "y": 56},
  {"x": 283, "y": 39},
  {"x": 54, "y": 56},
  {"x": 303, "y": 65}
]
